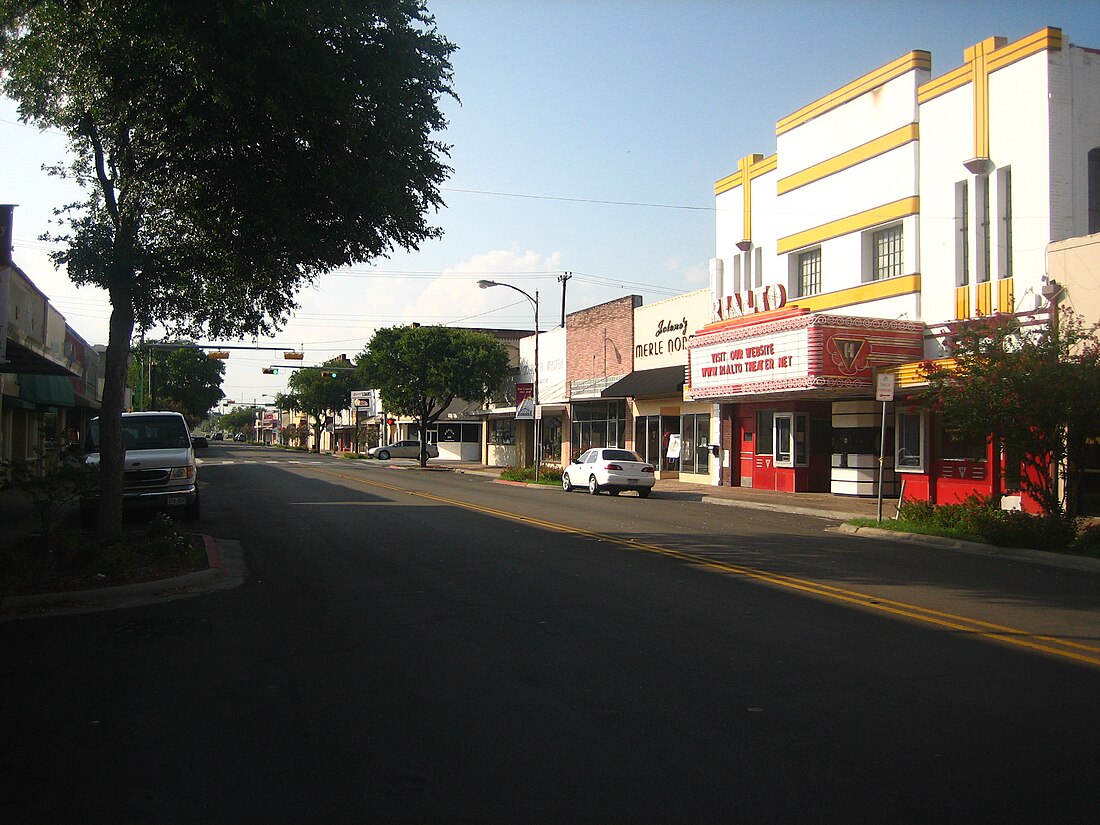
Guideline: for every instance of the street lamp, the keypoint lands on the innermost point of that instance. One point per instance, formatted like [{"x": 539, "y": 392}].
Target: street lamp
[{"x": 535, "y": 303}]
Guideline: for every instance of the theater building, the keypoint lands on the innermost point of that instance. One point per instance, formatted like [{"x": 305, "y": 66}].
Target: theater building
[{"x": 892, "y": 208}]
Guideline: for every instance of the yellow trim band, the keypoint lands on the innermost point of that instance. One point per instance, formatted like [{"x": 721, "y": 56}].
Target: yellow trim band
[
  {"x": 872, "y": 291},
  {"x": 757, "y": 165},
  {"x": 913, "y": 61},
  {"x": 1006, "y": 295},
  {"x": 853, "y": 223},
  {"x": 1046, "y": 39},
  {"x": 853, "y": 157},
  {"x": 985, "y": 298}
]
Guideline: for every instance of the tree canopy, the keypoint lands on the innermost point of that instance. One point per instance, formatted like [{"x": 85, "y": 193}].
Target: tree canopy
[
  {"x": 421, "y": 370},
  {"x": 320, "y": 392},
  {"x": 230, "y": 153},
  {"x": 1033, "y": 387},
  {"x": 185, "y": 378}
]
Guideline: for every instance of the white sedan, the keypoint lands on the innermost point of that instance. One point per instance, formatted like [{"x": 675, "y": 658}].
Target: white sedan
[
  {"x": 609, "y": 468},
  {"x": 402, "y": 449}
]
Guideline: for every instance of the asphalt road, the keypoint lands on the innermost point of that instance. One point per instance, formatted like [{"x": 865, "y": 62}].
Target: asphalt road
[{"x": 414, "y": 646}]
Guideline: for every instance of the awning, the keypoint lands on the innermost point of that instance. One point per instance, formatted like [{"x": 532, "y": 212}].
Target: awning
[
  {"x": 648, "y": 384},
  {"x": 47, "y": 390},
  {"x": 14, "y": 403}
]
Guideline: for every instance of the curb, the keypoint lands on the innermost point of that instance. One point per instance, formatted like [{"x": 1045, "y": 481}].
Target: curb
[
  {"x": 780, "y": 508},
  {"x": 226, "y": 570},
  {"x": 1062, "y": 560}
]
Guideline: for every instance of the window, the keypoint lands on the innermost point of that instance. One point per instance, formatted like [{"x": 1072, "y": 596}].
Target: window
[
  {"x": 791, "y": 445},
  {"x": 695, "y": 444},
  {"x": 758, "y": 254},
  {"x": 910, "y": 442},
  {"x": 765, "y": 422},
  {"x": 502, "y": 431},
  {"x": 962, "y": 233},
  {"x": 983, "y": 228},
  {"x": 1004, "y": 207},
  {"x": 1094, "y": 190},
  {"x": 599, "y": 424},
  {"x": 809, "y": 272},
  {"x": 886, "y": 253}
]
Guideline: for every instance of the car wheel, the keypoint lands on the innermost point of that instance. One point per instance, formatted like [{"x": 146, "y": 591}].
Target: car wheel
[
  {"x": 593, "y": 487},
  {"x": 643, "y": 492},
  {"x": 566, "y": 484},
  {"x": 383, "y": 456}
]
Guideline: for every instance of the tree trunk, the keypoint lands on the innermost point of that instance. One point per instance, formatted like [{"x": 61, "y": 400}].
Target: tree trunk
[{"x": 112, "y": 452}]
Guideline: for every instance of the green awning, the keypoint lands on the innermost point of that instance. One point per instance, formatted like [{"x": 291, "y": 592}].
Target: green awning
[
  {"x": 14, "y": 403},
  {"x": 47, "y": 390}
]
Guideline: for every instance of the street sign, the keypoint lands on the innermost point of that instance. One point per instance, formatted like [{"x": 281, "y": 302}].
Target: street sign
[
  {"x": 884, "y": 386},
  {"x": 363, "y": 401}
]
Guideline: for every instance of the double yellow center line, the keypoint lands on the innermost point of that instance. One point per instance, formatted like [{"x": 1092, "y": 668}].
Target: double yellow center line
[{"x": 1052, "y": 645}]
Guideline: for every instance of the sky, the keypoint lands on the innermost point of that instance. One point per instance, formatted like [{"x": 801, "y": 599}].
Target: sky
[{"x": 586, "y": 139}]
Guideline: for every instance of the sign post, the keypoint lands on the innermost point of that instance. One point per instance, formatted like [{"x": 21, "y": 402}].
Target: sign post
[{"x": 884, "y": 392}]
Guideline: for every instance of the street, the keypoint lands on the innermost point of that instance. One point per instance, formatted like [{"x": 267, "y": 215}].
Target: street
[{"x": 425, "y": 646}]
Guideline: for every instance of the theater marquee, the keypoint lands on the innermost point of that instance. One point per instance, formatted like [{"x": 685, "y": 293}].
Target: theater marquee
[{"x": 798, "y": 350}]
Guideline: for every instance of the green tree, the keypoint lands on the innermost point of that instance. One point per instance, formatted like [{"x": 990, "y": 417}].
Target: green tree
[
  {"x": 319, "y": 393},
  {"x": 230, "y": 153},
  {"x": 421, "y": 370},
  {"x": 185, "y": 378},
  {"x": 240, "y": 420},
  {"x": 1033, "y": 388}
]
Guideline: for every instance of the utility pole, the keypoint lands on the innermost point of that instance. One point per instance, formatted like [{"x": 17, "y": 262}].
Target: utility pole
[{"x": 562, "y": 279}]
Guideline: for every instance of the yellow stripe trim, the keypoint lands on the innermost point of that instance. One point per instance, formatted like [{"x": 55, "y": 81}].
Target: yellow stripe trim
[
  {"x": 872, "y": 291},
  {"x": 1006, "y": 296},
  {"x": 962, "y": 302},
  {"x": 985, "y": 298},
  {"x": 911, "y": 375},
  {"x": 1046, "y": 39},
  {"x": 906, "y": 63},
  {"x": 759, "y": 166},
  {"x": 846, "y": 160},
  {"x": 852, "y": 223}
]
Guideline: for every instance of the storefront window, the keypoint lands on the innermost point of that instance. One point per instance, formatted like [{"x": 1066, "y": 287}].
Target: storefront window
[
  {"x": 695, "y": 444},
  {"x": 765, "y": 423},
  {"x": 783, "y": 429},
  {"x": 957, "y": 448},
  {"x": 791, "y": 439},
  {"x": 550, "y": 435},
  {"x": 502, "y": 431},
  {"x": 910, "y": 442},
  {"x": 598, "y": 424}
]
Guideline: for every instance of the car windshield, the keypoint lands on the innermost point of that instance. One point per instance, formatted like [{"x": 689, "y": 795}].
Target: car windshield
[
  {"x": 620, "y": 455},
  {"x": 147, "y": 432}
]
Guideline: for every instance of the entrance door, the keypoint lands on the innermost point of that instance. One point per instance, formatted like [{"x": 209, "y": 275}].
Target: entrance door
[
  {"x": 670, "y": 426},
  {"x": 746, "y": 448}
]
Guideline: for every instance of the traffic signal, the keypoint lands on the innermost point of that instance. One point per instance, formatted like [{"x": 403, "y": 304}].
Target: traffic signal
[
  {"x": 330, "y": 374},
  {"x": 271, "y": 370},
  {"x": 220, "y": 354}
]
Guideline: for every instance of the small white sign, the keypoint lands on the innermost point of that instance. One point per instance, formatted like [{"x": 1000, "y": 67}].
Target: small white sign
[{"x": 884, "y": 386}]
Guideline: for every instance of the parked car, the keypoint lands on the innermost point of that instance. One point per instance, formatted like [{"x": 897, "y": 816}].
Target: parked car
[
  {"x": 609, "y": 468},
  {"x": 402, "y": 449},
  {"x": 159, "y": 466},
  {"x": 198, "y": 440},
  {"x": 219, "y": 436},
  {"x": 238, "y": 436}
]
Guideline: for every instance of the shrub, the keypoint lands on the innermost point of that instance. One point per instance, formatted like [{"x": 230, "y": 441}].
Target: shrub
[
  {"x": 1088, "y": 541},
  {"x": 547, "y": 474},
  {"x": 982, "y": 518}
]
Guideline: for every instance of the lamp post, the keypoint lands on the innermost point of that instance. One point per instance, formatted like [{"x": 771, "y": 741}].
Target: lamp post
[{"x": 535, "y": 421}]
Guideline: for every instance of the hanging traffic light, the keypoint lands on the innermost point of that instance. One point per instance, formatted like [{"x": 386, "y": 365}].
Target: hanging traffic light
[{"x": 271, "y": 370}]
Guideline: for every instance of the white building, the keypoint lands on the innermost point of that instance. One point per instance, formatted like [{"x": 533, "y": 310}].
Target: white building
[{"x": 898, "y": 204}]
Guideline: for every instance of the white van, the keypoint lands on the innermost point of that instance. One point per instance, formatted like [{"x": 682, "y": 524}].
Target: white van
[{"x": 159, "y": 469}]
